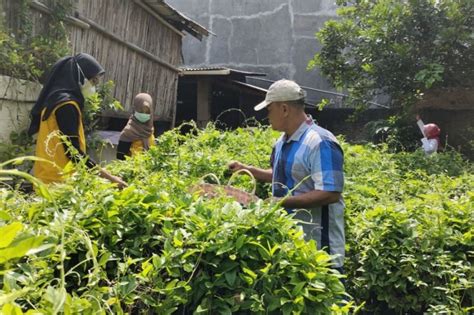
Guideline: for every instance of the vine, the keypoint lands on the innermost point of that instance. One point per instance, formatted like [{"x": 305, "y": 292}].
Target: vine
[
  {"x": 25, "y": 25},
  {"x": 26, "y": 55}
]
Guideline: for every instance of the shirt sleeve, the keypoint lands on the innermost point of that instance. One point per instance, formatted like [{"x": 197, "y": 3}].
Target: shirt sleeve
[
  {"x": 67, "y": 118},
  {"x": 327, "y": 167},
  {"x": 123, "y": 149},
  {"x": 421, "y": 125}
]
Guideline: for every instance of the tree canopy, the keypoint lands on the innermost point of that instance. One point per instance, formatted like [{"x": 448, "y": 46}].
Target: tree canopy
[{"x": 399, "y": 48}]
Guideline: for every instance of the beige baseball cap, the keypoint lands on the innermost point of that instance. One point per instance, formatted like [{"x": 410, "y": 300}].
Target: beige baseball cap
[{"x": 281, "y": 91}]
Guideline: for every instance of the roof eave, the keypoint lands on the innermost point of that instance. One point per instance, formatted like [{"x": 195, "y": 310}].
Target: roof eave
[
  {"x": 177, "y": 19},
  {"x": 211, "y": 71}
]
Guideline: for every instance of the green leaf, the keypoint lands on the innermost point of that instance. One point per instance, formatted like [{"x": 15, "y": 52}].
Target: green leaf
[
  {"x": 201, "y": 309},
  {"x": 230, "y": 277},
  {"x": 146, "y": 268},
  {"x": 11, "y": 309},
  {"x": 57, "y": 297},
  {"x": 224, "y": 248},
  {"x": 262, "y": 250},
  {"x": 266, "y": 268},
  {"x": 12, "y": 296},
  {"x": 250, "y": 273},
  {"x": 20, "y": 248},
  {"x": 247, "y": 279},
  {"x": 104, "y": 259},
  {"x": 274, "y": 304},
  {"x": 274, "y": 249},
  {"x": 9, "y": 232},
  {"x": 310, "y": 275},
  {"x": 4, "y": 216},
  {"x": 172, "y": 284},
  {"x": 297, "y": 289},
  {"x": 240, "y": 241},
  {"x": 177, "y": 241}
]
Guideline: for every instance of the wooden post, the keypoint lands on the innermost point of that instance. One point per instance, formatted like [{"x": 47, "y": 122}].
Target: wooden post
[{"x": 203, "y": 102}]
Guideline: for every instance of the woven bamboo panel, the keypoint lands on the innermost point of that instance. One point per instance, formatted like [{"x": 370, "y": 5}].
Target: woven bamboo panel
[{"x": 132, "y": 71}]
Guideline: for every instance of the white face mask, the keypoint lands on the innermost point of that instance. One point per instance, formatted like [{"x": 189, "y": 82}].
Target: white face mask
[
  {"x": 142, "y": 117},
  {"x": 87, "y": 89}
]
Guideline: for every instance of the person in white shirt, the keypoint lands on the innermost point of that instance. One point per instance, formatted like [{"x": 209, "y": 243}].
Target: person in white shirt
[{"x": 430, "y": 141}]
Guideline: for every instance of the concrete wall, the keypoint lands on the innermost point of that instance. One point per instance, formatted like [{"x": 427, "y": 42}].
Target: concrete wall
[
  {"x": 17, "y": 97},
  {"x": 270, "y": 36}
]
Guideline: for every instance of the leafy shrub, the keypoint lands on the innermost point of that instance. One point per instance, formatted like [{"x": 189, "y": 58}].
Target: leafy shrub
[
  {"x": 155, "y": 247},
  {"x": 450, "y": 163},
  {"x": 28, "y": 61},
  {"x": 409, "y": 231},
  {"x": 20, "y": 145},
  {"x": 410, "y": 257},
  {"x": 397, "y": 132}
]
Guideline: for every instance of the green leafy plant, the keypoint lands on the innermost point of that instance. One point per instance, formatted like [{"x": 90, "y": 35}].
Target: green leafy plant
[
  {"x": 25, "y": 55},
  {"x": 157, "y": 247},
  {"x": 97, "y": 103},
  {"x": 20, "y": 145},
  {"x": 93, "y": 107},
  {"x": 396, "y": 131},
  {"x": 408, "y": 231}
]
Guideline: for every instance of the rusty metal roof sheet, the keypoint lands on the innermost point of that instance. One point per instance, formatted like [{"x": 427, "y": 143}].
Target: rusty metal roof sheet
[
  {"x": 177, "y": 19},
  {"x": 216, "y": 71}
]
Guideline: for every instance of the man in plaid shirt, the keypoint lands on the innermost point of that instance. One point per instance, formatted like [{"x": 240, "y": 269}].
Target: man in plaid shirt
[{"x": 307, "y": 169}]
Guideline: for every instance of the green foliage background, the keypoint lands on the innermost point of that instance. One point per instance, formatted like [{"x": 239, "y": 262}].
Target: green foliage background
[
  {"x": 26, "y": 55},
  {"x": 398, "y": 48}
]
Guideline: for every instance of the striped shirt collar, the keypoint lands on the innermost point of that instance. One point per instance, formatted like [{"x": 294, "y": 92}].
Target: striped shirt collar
[{"x": 296, "y": 136}]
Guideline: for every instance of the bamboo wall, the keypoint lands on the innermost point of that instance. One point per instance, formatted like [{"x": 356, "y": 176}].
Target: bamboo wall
[{"x": 133, "y": 72}]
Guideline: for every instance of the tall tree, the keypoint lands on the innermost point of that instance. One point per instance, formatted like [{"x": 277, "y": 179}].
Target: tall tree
[{"x": 400, "y": 48}]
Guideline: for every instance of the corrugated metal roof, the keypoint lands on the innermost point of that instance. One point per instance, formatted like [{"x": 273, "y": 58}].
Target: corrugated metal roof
[
  {"x": 216, "y": 71},
  {"x": 177, "y": 19}
]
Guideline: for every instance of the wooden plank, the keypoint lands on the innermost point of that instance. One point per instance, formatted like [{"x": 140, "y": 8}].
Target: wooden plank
[{"x": 70, "y": 19}]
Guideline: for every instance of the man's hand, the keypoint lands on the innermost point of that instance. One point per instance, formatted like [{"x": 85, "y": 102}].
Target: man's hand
[
  {"x": 259, "y": 174},
  {"x": 274, "y": 200},
  {"x": 235, "y": 166}
]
